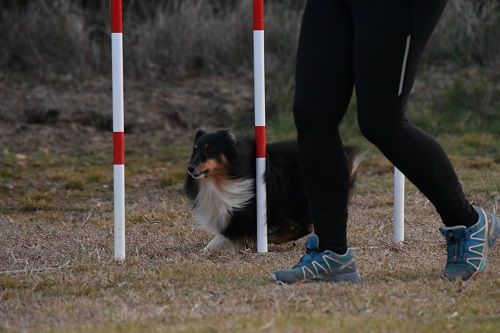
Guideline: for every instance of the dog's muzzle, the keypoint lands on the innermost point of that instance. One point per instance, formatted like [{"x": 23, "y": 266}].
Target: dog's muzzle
[{"x": 196, "y": 173}]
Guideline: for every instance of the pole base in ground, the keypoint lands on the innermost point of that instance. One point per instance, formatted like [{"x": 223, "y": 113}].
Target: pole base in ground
[
  {"x": 119, "y": 216},
  {"x": 398, "y": 227},
  {"x": 396, "y": 246}
]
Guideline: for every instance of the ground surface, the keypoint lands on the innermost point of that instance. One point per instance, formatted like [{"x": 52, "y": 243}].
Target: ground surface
[{"x": 57, "y": 272}]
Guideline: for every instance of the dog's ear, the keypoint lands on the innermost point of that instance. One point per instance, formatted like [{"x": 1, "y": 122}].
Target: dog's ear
[
  {"x": 199, "y": 133},
  {"x": 230, "y": 135}
]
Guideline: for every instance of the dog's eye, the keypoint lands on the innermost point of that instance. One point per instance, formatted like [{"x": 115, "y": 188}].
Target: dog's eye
[{"x": 208, "y": 149}]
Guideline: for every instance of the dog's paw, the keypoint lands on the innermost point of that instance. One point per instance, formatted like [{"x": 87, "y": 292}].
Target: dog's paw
[{"x": 218, "y": 242}]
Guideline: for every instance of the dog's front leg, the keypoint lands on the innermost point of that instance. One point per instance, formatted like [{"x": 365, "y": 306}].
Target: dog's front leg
[{"x": 219, "y": 242}]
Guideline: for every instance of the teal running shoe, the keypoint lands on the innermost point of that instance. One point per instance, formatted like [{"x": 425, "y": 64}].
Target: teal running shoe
[
  {"x": 317, "y": 266},
  {"x": 468, "y": 247}
]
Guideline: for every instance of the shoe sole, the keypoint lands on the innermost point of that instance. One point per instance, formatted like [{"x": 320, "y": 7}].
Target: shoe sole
[{"x": 353, "y": 277}]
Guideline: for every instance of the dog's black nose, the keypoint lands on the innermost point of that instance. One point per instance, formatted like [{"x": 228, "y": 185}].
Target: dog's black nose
[{"x": 190, "y": 169}]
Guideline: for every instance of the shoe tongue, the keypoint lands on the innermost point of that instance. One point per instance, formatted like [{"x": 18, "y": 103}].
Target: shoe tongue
[{"x": 312, "y": 243}]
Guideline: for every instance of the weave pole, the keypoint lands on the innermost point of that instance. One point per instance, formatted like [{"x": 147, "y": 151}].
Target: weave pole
[
  {"x": 398, "y": 223},
  {"x": 118, "y": 130},
  {"x": 260, "y": 123}
]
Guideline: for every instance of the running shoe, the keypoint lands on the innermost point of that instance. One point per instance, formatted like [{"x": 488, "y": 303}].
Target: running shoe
[
  {"x": 320, "y": 266},
  {"x": 468, "y": 247}
]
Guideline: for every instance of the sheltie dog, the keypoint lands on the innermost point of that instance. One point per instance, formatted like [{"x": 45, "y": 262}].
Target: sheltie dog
[{"x": 220, "y": 183}]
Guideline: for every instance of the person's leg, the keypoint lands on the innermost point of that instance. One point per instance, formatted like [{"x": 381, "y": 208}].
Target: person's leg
[
  {"x": 324, "y": 85},
  {"x": 389, "y": 39}
]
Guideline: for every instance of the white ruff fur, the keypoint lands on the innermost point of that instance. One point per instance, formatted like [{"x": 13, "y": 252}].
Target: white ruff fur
[{"x": 215, "y": 203}]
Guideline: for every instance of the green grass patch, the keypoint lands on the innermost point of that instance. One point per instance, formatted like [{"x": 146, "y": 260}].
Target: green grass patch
[
  {"x": 97, "y": 174},
  {"x": 198, "y": 274},
  {"x": 74, "y": 184},
  {"x": 479, "y": 140},
  {"x": 136, "y": 218},
  {"x": 304, "y": 320},
  {"x": 173, "y": 174},
  {"x": 467, "y": 108},
  {"x": 10, "y": 282},
  {"x": 33, "y": 201}
]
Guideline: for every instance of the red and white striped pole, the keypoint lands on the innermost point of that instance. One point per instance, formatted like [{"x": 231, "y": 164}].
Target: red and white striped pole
[
  {"x": 118, "y": 130},
  {"x": 260, "y": 123}
]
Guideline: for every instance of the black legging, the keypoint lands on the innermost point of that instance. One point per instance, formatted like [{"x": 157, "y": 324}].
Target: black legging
[{"x": 374, "y": 46}]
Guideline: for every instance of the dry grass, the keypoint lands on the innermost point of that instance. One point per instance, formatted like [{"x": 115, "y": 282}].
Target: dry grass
[
  {"x": 468, "y": 33},
  {"x": 54, "y": 37},
  {"x": 56, "y": 271},
  {"x": 69, "y": 282}
]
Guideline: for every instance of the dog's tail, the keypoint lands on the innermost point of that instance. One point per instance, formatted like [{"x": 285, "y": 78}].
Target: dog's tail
[
  {"x": 354, "y": 157},
  {"x": 359, "y": 156}
]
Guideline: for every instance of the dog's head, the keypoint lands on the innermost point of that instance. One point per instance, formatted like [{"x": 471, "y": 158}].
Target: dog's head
[{"x": 211, "y": 154}]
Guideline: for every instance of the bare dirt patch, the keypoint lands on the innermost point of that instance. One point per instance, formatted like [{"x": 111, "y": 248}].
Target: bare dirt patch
[{"x": 61, "y": 114}]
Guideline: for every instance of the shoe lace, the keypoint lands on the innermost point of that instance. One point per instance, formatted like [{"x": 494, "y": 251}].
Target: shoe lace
[
  {"x": 306, "y": 258},
  {"x": 455, "y": 249}
]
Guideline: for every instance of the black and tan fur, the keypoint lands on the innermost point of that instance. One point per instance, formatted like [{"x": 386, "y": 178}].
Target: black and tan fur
[{"x": 220, "y": 182}]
